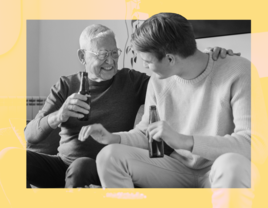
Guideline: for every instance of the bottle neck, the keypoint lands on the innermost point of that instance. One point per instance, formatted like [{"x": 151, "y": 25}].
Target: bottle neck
[
  {"x": 153, "y": 116},
  {"x": 84, "y": 86}
]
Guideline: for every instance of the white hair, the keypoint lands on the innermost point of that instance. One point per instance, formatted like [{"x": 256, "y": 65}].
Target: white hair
[{"x": 94, "y": 31}]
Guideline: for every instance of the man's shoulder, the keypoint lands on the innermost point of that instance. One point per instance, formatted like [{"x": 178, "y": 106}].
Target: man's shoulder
[
  {"x": 127, "y": 71},
  {"x": 67, "y": 83},
  {"x": 233, "y": 65},
  {"x": 70, "y": 79},
  {"x": 132, "y": 74}
]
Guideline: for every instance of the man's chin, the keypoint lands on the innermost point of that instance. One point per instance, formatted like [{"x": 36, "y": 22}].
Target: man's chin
[
  {"x": 161, "y": 76},
  {"x": 106, "y": 75}
]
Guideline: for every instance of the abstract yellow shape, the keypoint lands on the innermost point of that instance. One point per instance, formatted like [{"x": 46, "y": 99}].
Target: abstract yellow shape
[
  {"x": 10, "y": 24},
  {"x": 259, "y": 44}
]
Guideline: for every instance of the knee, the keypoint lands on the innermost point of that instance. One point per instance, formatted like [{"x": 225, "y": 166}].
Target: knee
[
  {"x": 231, "y": 170},
  {"x": 82, "y": 163},
  {"x": 110, "y": 157},
  {"x": 81, "y": 172},
  {"x": 80, "y": 167},
  {"x": 107, "y": 154}
]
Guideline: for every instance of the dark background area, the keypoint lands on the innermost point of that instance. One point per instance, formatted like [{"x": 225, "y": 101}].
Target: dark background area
[{"x": 215, "y": 28}]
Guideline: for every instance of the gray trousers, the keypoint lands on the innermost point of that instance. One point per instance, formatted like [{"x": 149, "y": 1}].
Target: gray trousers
[{"x": 121, "y": 166}]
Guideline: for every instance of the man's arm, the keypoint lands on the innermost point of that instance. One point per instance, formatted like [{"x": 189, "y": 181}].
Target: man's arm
[
  {"x": 239, "y": 141},
  {"x": 211, "y": 147},
  {"x": 57, "y": 109},
  {"x": 38, "y": 129},
  {"x": 250, "y": 135}
]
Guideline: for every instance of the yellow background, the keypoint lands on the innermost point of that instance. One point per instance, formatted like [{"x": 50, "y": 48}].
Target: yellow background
[{"x": 13, "y": 16}]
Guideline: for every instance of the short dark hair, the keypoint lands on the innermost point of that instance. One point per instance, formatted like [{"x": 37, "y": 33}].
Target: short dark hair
[{"x": 165, "y": 33}]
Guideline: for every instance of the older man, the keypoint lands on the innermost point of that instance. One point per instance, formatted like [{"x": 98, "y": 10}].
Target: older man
[{"x": 116, "y": 97}]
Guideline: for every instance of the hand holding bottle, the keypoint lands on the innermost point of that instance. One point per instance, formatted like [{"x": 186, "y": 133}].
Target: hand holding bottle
[
  {"x": 161, "y": 130},
  {"x": 74, "y": 106}
]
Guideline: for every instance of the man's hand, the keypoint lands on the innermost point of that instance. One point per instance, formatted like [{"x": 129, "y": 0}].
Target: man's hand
[
  {"x": 220, "y": 52},
  {"x": 74, "y": 106},
  {"x": 98, "y": 133},
  {"x": 161, "y": 130}
]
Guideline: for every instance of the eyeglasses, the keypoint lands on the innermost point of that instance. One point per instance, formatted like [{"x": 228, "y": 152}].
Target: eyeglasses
[{"x": 102, "y": 55}]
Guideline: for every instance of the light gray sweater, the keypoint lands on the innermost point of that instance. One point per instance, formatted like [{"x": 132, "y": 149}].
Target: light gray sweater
[{"x": 215, "y": 108}]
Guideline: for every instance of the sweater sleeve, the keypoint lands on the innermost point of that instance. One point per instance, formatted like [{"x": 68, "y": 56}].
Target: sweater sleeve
[
  {"x": 38, "y": 129},
  {"x": 137, "y": 136},
  {"x": 211, "y": 147}
]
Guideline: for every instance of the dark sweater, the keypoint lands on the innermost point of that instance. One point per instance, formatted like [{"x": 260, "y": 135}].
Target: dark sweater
[{"x": 114, "y": 104}]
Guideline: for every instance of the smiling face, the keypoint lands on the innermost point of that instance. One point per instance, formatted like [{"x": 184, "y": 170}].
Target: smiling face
[{"x": 100, "y": 70}]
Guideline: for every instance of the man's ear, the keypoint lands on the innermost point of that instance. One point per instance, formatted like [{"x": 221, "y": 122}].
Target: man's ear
[
  {"x": 171, "y": 59},
  {"x": 81, "y": 56}
]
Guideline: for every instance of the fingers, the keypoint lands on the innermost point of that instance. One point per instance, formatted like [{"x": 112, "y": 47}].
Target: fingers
[
  {"x": 81, "y": 103},
  {"x": 231, "y": 53},
  {"x": 223, "y": 53},
  {"x": 155, "y": 134},
  {"x": 80, "y": 100},
  {"x": 95, "y": 130},
  {"x": 76, "y": 108},
  {"x": 215, "y": 53},
  {"x": 85, "y": 132},
  {"x": 155, "y": 131},
  {"x": 82, "y": 134},
  {"x": 207, "y": 50},
  {"x": 75, "y": 114},
  {"x": 153, "y": 125},
  {"x": 76, "y": 103},
  {"x": 78, "y": 96}
]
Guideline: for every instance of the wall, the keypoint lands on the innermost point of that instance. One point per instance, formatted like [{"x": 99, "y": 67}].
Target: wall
[{"x": 33, "y": 57}]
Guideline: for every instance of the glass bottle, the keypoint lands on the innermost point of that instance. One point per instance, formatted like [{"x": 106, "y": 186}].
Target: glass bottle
[
  {"x": 156, "y": 148},
  {"x": 84, "y": 90}
]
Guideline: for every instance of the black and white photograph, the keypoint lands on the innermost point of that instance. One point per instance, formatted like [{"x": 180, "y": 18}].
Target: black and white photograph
[{"x": 161, "y": 103}]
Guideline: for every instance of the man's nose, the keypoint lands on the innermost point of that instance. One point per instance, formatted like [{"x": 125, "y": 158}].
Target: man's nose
[{"x": 109, "y": 59}]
